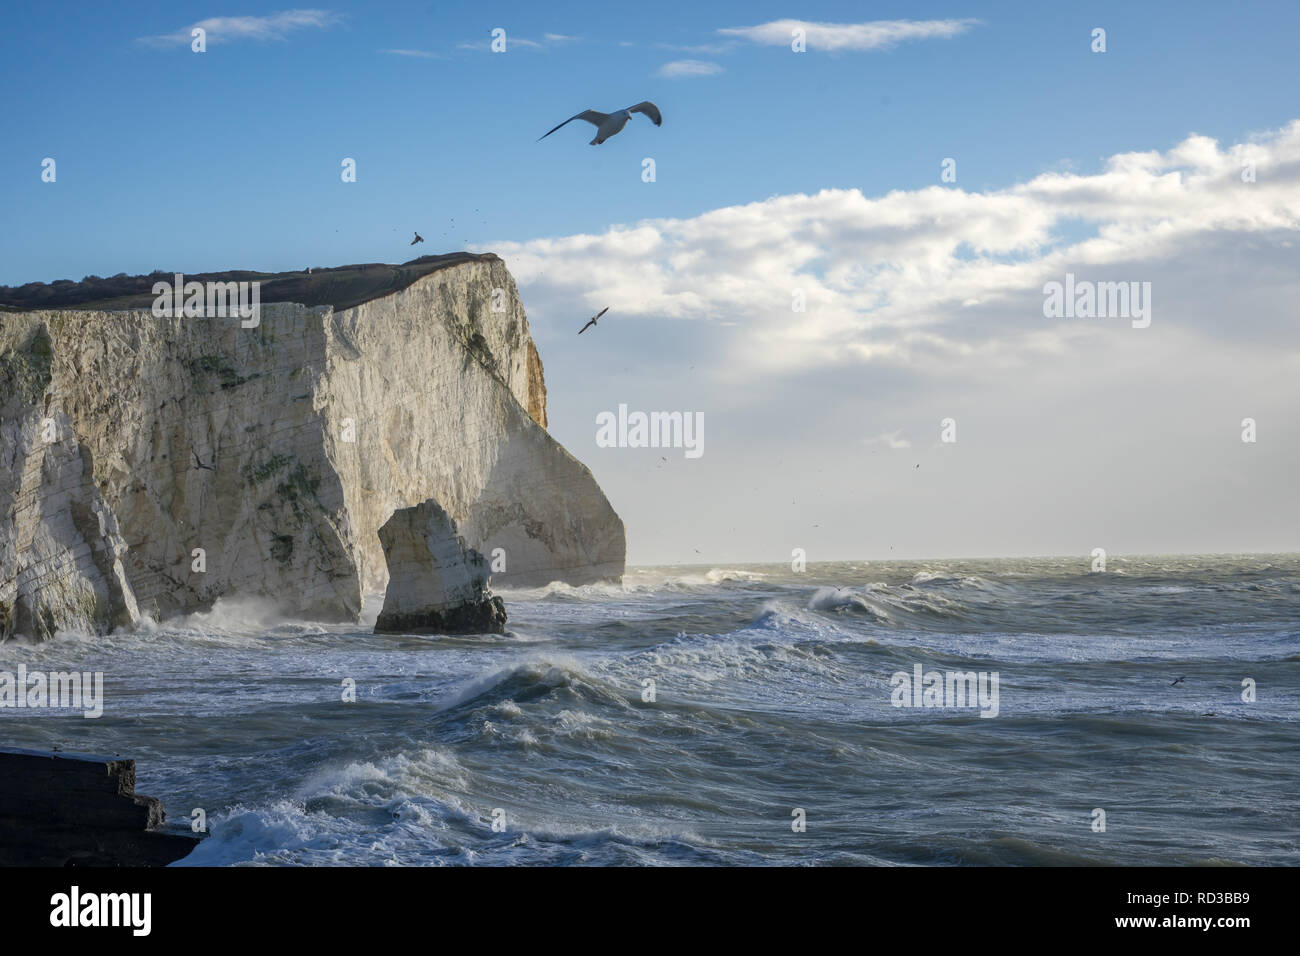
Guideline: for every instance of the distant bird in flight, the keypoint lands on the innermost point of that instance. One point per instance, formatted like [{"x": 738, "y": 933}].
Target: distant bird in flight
[
  {"x": 607, "y": 124},
  {"x": 1179, "y": 681},
  {"x": 593, "y": 320},
  {"x": 418, "y": 238}
]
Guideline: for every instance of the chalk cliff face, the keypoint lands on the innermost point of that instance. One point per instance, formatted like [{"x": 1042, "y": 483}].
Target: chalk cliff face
[{"x": 151, "y": 465}]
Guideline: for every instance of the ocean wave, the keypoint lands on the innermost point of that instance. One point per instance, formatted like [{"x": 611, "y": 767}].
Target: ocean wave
[
  {"x": 411, "y": 808},
  {"x": 636, "y": 581},
  {"x": 280, "y": 833},
  {"x": 601, "y": 591},
  {"x": 951, "y": 578},
  {"x": 844, "y": 599},
  {"x": 534, "y": 677},
  {"x": 893, "y": 605}
]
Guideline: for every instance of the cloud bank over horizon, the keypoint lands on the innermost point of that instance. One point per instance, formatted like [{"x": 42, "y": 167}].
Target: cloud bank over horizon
[
  {"x": 915, "y": 273},
  {"x": 927, "y": 305}
]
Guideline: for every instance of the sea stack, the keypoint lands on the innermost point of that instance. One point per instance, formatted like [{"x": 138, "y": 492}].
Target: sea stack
[{"x": 436, "y": 585}]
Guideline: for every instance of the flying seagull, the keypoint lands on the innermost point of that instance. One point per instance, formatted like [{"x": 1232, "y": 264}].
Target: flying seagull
[
  {"x": 1179, "y": 681},
  {"x": 607, "y": 124},
  {"x": 593, "y": 319},
  {"x": 418, "y": 238}
]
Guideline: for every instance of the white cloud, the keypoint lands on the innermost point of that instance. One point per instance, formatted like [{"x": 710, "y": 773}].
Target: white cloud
[
  {"x": 874, "y": 35},
  {"x": 423, "y": 54},
  {"x": 941, "y": 275},
  {"x": 925, "y": 305},
  {"x": 683, "y": 68},
  {"x": 710, "y": 48},
  {"x": 276, "y": 26},
  {"x": 890, "y": 439},
  {"x": 548, "y": 40}
]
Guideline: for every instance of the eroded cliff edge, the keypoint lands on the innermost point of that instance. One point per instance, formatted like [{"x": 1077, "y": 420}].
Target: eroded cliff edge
[{"x": 127, "y": 442}]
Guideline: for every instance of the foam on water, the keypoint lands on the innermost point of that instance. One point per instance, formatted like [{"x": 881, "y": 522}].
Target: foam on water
[{"x": 679, "y": 716}]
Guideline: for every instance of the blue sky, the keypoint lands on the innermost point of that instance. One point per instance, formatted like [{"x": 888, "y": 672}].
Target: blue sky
[
  {"x": 775, "y": 171},
  {"x": 175, "y": 160}
]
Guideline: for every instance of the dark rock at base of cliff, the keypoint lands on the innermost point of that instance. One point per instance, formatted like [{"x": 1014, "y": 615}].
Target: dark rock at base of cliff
[{"x": 483, "y": 617}]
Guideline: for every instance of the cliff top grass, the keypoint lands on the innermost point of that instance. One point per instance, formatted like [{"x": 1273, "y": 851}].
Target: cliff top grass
[{"x": 341, "y": 286}]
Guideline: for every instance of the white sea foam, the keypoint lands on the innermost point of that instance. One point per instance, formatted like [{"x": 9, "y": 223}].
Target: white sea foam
[{"x": 765, "y": 684}]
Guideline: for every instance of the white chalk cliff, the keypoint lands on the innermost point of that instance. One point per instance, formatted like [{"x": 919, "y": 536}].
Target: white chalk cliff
[{"x": 128, "y": 441}]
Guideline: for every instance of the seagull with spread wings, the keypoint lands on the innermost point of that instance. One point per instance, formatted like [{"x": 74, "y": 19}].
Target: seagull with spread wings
[
  {"x": 592, "y": 320},
  {"x": 607, "y": 124}
]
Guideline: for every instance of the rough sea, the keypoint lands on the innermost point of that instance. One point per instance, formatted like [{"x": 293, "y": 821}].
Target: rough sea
[{"x": 730, "y": 715}]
